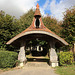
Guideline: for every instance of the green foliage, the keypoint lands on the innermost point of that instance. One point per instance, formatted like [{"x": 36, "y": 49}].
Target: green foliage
[
  {"x": 7, "y": 59},
  {"x": 36, "y": 42},
  {"x": 68, "y": 32},
  {"x": 74, "y": 56},
  {"x": 26, "y": 20},
  {"x": 2, "y": 49},
  {"x": 66, "y": 58},
  {"x": 8, "y": 29},
  {"x": 52, "y": 24},
  {"x": 17, "y": 62},
  {"x": 67, "y": 70}
]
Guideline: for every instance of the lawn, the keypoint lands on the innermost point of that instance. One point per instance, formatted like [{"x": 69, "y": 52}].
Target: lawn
[
  {"x": 67, "y": 70},
  {"x": 44, "y": 57}
]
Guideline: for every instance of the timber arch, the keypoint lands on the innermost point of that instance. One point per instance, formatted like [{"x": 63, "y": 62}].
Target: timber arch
[{"x": 38, "y": 32}]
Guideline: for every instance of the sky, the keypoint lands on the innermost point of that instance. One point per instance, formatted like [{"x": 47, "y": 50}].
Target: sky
[{"x": 54, "y": 8}]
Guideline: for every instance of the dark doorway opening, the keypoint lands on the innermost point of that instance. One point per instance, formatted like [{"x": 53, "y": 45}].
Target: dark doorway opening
[
  {"x": 37, "y": 51},
  {"x": 37, "y": 48}
]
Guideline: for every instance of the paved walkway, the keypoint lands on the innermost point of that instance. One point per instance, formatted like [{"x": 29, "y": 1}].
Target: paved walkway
[{"x": 29, "y": 69}]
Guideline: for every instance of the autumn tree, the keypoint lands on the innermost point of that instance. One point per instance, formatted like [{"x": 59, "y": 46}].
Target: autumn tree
[
  {"x": 52, "y": 24},
  {"x": 68, "y": 32}
]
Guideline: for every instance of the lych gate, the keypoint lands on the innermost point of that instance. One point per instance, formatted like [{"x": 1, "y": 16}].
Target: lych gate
[{"x": 37, "y": 30}]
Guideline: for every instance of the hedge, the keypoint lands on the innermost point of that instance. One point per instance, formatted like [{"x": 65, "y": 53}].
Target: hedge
[
  {"x": 8, "y": 59},
  {"x": 65, "y": 58},
  {"x": 74, "y": 56}
]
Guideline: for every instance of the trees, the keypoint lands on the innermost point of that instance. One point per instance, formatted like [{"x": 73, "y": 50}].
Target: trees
[
  {"x": 52, "y": 24},
  {"x": 8, "y": 28},
  {"x": 68, "y": 32},
  {"x": 26, "y": 20}
]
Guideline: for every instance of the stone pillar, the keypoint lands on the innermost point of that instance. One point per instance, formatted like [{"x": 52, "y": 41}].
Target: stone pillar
[
  {"x": 21, "y": 55},
  {"x": 53, "y": 55}
]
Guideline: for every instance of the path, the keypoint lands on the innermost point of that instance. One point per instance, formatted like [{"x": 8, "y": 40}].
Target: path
[{"x": 34, "y": 68}]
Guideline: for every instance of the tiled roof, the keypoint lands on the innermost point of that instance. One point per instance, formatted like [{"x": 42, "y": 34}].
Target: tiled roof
[{"x": 41, "y": 28}]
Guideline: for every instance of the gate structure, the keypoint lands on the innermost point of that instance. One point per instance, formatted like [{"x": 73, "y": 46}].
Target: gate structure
[{"x": 37, "y": 30}]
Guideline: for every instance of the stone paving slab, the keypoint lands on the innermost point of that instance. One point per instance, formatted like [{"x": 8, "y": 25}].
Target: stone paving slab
[{"x": 31, "y": 70}]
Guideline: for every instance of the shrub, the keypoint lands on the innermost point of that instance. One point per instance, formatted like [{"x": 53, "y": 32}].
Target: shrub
[
  {"x": 74, "y": 56},
  {"x": 17, "y": 62},
  {"x": 7, "y": 59},
  {"x": 27, "y": 52},
  {"x": 66, "y": 58}
]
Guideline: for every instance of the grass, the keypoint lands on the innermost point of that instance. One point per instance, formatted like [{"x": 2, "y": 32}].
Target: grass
[
  {"x": 8, "y": 69},
  {"x": 66, "y": 70},
  {"x": 4, "y": 69},
  {"x": 30, "y": 56}
]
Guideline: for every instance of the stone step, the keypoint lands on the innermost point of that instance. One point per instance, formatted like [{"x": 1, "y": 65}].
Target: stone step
[{"x": 37, "y": 64}]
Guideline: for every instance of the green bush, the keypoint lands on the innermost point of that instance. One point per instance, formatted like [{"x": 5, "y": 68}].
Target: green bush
[
  {"x": 17, "y": 62},
  {"x": 65, "y": 58},
  {"x": 7, "y": 59}
]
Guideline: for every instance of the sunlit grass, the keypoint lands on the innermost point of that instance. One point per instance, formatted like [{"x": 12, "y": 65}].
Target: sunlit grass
[
  {"x": 30, "y": 56},
  {"x": 66, "y": 70}
]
